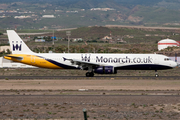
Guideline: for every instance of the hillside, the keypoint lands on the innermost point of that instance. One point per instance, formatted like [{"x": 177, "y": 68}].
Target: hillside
[
  {"x": 87, "y": 4},
  {"x": 136, "y": 40},
  {"x": 138, "y": 35},
  {"x": 22, "y": 14}
]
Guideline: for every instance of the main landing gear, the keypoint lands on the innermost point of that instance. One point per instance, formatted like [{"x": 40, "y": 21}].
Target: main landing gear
[
  {"x": 89, "y": 74},
  {"x": 156, "y": 74}
]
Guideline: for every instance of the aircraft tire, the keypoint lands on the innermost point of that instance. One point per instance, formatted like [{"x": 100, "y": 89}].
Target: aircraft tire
[
  {"x": 92, "y": 74},
  {"x": 89, "y": 74},
  {"x": 156, "y": 75}
]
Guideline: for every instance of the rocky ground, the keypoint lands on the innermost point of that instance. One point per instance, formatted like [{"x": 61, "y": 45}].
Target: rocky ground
[
  {"x": 103, "y": 99},
  {"x": 100, "y": 107}
]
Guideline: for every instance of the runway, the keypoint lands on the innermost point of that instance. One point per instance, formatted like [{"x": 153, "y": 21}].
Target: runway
[{"x": 90, "y": 78}]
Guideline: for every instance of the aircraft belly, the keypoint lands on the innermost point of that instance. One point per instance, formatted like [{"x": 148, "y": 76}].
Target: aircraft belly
[{"x": 143, "y": 67}]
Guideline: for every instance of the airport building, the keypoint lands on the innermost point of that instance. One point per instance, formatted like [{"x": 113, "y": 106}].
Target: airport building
[
  {"x": 4, "y": 48},
  {"x": 167, "y": 43}
]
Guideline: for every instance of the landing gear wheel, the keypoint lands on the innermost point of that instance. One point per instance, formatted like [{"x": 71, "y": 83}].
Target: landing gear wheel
[
  {"x": 156, "y": 75},
  {"x": 92, "y": 74},
  {"x": 89, "y": 74}
]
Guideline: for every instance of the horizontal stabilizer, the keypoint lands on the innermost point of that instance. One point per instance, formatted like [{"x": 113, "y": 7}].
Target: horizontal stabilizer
[{"x": 13, "y": 57}]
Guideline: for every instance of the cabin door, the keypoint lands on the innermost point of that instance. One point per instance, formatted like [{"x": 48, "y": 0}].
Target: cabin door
[{"x": 156, "y": 60}]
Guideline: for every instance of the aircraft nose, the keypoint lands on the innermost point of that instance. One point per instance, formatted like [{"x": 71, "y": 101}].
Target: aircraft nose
[{"x": 175, "y": 64}]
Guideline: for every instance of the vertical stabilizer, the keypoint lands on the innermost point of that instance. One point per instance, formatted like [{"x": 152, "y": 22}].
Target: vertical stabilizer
[{"x": 16, "y": 43}]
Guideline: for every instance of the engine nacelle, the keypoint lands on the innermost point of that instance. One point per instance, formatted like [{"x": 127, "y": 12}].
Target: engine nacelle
[{"x": 105, "y": 70}]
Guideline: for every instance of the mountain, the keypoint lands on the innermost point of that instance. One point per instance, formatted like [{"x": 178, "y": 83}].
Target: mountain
[
  {"x": 96, "y": 3},
  {"x": 78, "y": 13},
  {"x": 87, "y": 4},
  {"x": 138, "y": 2}
]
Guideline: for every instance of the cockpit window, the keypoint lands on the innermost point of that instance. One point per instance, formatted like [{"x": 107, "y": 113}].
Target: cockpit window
[{"x": 167, "y": 59}]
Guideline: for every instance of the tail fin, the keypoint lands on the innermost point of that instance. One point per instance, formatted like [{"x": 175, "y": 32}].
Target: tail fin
[{"x": 16, "y": 43}]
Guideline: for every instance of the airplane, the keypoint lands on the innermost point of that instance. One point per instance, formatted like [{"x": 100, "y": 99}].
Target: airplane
[{"x": 92, "y": 62}]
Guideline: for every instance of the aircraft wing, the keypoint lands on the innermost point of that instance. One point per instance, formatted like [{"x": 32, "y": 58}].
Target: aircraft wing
[{"x": 82, "y": 64}]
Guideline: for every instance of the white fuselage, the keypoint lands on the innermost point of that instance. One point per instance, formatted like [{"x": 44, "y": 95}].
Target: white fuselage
[{"x": 119, "y": 61}]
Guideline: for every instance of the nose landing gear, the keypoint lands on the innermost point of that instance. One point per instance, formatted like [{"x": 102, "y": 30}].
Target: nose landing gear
[{"x": 156, "y": 73}]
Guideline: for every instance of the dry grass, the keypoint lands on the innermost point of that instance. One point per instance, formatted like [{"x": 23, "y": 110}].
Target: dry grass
[{"x": 60, "y": 72}]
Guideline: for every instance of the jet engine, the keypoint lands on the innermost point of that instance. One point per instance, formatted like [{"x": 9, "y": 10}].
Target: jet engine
[{"x": 105, "y": 70}]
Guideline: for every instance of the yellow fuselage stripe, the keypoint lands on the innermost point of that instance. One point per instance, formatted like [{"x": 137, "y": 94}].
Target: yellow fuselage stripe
[{"x": 33, "y": 60}]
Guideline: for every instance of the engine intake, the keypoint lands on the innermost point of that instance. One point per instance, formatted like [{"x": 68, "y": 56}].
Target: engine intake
[{"x": 105, "y": 70}]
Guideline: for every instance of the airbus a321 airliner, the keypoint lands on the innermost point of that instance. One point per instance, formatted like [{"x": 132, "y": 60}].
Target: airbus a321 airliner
[{"x": 92, "y": 62}]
